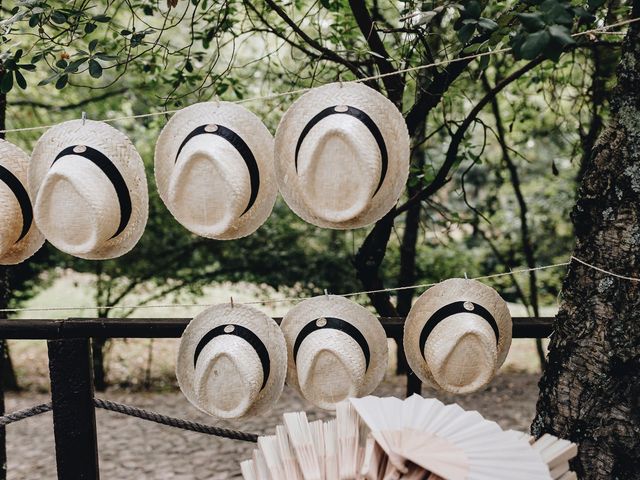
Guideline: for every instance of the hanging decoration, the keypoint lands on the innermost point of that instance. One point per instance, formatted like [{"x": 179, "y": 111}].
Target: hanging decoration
[
  {"x": 90, "y": 190},
  {"x": 19, "y": 237},
  {"x": 342, "y": 156},
  {"x": 214, "y": 170},
  {"x": 336, "y": 349},
  {"x": 457, "y": 335},
  {"x": 232, "y": 361}
]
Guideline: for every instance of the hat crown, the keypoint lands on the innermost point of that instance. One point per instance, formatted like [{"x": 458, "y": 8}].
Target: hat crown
[
  {"x": 210, "y": 185},
  {"x": 331, "y": 367},
  {"x": 77, "y": 206},
  {"x": 339, "y": 168},
  {"x": 11, "y": 215},
  {"x": 230, "y": 365}
]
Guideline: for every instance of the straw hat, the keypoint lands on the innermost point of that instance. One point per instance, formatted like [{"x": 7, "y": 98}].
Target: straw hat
[
  {"x": 214, "y": 170},
  {"x": 19, "y": 237},
  {"x": 342, "y": 156},
  {"x": 457, "y": 335},
  {"x": 336, "y": 349},
  {"x": 232, "y": 361},
  {"x": 90, "y": 189}
]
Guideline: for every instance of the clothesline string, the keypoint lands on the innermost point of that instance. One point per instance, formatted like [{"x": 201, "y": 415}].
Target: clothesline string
[
  {"x": 299, "y": 91},
  {"x": 298, "y": 299}
]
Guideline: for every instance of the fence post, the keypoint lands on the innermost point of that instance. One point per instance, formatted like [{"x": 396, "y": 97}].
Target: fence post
[{"x": 74, "y": 417}]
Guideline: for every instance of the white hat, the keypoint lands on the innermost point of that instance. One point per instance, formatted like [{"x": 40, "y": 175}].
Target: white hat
[
  {"x": 336, "y": 349},
  {"x": 232, "y": 361},
  {"x": 19, "y": 237},
  {"x": 90, "y": 189},
  {"x": 457, "y": 335},
  {"x": 342, "y": 156},
  {"x": 214, "y": 170}
]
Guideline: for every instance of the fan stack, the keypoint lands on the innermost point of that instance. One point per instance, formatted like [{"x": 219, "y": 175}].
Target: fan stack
[{"x": 375, "y": 438}]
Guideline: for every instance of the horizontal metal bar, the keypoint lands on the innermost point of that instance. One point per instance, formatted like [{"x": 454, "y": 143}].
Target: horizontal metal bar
[{"x": 45, "y": 329}]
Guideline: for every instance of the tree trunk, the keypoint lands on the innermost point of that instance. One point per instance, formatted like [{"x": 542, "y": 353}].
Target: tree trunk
[{"x": 590, "y": 390}]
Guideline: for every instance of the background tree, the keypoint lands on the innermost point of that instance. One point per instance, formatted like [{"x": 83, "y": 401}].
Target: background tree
[{"x": 591, "y": 391}]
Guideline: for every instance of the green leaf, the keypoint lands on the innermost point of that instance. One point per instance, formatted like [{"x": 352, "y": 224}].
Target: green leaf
[
  {"x": 104, "y": 56},
  {"x": 561, "y": 35},
  {"x": 466, "y": 32},
  {"x": 33, "y": 21},
  {"x": 93, "y": 44},
  {"x": 90, "y": 27},
  {"x": 26, "y": 66},
  {"x": 556, "y": 13},
  {"x": 101, "y": 18},
  {"x": 7, "y": 82},
  {"x": 487, "y": 24},
  {"x": 73, "y": 66},
  {"x": 20, "y": 80},
  {"x": 62, "y": 63},
  {"x": 58, "y": 17},
  {"x": 532, "y": 22},
  {"x": 48, "y": 80},
  {"x": 594, "y": 4},
  {"x": 95, "y": 69},
  {"x": 473, "y": 9},
  {"x": 125, "y": 32},
  {"x": 534, "y": 44},
  {"x": 585, "y": 16},
  {"x": 62, "y": 81}
]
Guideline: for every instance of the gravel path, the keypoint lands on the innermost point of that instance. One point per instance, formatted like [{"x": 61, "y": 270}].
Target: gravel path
[{"x": 134, "y": 449}]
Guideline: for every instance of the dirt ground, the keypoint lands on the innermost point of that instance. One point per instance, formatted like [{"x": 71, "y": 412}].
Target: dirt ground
[{"x": 134, "y": 449}]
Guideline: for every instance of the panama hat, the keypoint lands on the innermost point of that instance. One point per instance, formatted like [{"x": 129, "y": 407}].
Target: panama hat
[
  {"x": 336, "y": 349},
  {"x": 19, "y": 237},
  {"x": 457, "y": 335},
  {"x": 232, "y": 361},
  {"x": 342, "y": 156},
  {"x": 214, "y": 170},
  {"x": 90, "y": 189}
]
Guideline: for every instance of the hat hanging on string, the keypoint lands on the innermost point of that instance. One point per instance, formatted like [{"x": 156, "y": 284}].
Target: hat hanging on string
[
  {"x": 90, "y": 189},
  {"x": 336, "y": 349},
  {"x": 232, "y": 361},
  {"x": 457, "y": 335},
  {"x": 19, "y": 237},
  {"x": 342, "y": 156},
  {"x": 214, "y": 170}
]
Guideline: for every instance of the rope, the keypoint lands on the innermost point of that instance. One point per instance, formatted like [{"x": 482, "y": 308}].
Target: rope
[
  {"x": 180, "y": 423},
  {"x": 25, "y": 413},
  {"x": 175, "y": 422},
  {"x": 271, "y": 96},
  {"x": 298, "y": 299}
]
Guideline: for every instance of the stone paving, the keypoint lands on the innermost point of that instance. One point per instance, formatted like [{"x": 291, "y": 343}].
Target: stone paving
[{"x": 134, "y": 449}]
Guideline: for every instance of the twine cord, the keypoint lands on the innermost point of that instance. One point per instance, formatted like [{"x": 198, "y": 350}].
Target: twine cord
[
  {"x": 298, "y": 299},
  {"x": 148, "y": 415},
  {"x": 598, "y": 30}
]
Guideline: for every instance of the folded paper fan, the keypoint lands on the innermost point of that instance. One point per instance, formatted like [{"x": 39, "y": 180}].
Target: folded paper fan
[{"x": 375, "y": 438}]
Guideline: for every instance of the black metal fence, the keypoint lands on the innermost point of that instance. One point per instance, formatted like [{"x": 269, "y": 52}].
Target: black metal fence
[{"x": 72, "y": 393}]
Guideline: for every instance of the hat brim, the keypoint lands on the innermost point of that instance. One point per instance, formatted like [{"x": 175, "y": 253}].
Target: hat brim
[
  {"x": 123, "y": 155},
  {"x": 264, "y": 327},
  {"x": 387, "y": 127},
  {"x": 327, "y": 306},
  {"x": 16, "y": 161},
  {"x": 244, "y": 125},
  {"x": 444, "y": 293}
]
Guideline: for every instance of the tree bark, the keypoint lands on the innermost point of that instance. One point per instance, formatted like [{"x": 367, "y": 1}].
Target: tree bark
[{"x": 590, "y": 390}]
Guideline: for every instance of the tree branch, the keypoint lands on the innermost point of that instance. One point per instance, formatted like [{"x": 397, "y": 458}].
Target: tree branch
[{"x": 70, "y": 106}]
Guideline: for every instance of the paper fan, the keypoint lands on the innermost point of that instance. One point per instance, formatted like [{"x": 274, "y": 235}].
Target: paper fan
[
  {"x": 375, "y": 438},
  {"x": 447, "y": 440}
]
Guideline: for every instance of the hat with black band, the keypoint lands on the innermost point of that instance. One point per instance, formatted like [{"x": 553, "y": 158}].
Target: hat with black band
[
  {"x": 90, "y": 189},
  {"x": 19, "y": 237},
  {"x": 457, "y": 335},
  {"x": 214, "y": 170},
  {"x": 342, "y": 156},
  {"x": 336, "y": 349},
  {"x": 232, "y": 361}
]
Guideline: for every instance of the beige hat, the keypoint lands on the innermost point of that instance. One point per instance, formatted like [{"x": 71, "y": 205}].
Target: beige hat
[
  {"x": 232, "y": 361},
  {"x": 214, "y": 170},
  {"x": 336, "y": 349},
  {"x": 90, "y": 189},
  {"x": 19, "y": 237},
  {"x": 342, "y": 156},
  {"x": 457, "y": 335}
]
